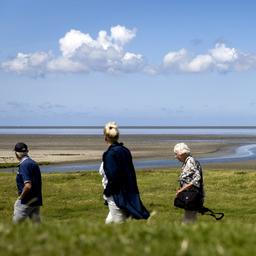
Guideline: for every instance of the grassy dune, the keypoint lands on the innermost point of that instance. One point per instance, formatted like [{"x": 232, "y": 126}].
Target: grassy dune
[{"x": 73, "y": 218}]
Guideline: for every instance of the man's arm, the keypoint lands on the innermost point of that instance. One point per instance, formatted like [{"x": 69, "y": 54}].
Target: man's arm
[{"x": 26, "y": 189}]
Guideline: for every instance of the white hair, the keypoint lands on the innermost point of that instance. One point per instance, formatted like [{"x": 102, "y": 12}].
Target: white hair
[
  {"x": 181, "y": 148},
  {"x": 111, "y": 131}
]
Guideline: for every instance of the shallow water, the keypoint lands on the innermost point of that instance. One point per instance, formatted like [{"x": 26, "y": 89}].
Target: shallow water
[{"x": 242, "y": 153}]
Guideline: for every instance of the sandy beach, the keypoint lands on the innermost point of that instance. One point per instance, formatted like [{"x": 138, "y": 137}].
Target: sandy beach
[{"x": 89, "y": 148}]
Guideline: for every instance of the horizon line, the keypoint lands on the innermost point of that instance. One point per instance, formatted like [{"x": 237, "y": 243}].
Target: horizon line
[{"x": 129, "y": 127}]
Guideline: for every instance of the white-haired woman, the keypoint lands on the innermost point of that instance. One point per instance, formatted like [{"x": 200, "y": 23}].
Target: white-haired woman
[
  {"x": 191, "y": 176},
  {"x": 120, "y": 184}
]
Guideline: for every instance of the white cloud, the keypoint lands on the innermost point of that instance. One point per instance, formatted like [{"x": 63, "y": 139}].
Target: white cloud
[
  {"x": 72, "y": 41},
  {"x": 63, "y": 64},
  {"x": 81, "y": 53},
  {"x": 104, "y": 40},
  {"x": 122, "y": 35},
  {"x": 221, "y": 58},
  {"x": 105, "y": 54},
  {"x": 175, "y": 58},
  {"x": 199, "y": 64},
  {"x": 221, "y": 53},
  {"x": 32, "y": 63},
  {"x": 131, "y": 61},
  {"x": 245, "y": 62}
]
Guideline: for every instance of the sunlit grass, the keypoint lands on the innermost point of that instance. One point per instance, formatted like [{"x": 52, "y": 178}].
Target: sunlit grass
[{"x": 73, "y": 218}]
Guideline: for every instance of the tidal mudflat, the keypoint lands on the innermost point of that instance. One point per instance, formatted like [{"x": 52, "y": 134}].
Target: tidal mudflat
[{"x": 89, "y": 148}]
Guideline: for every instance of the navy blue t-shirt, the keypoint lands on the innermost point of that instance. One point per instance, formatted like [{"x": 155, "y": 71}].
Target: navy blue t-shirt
[{"x": 30, "y": 171}]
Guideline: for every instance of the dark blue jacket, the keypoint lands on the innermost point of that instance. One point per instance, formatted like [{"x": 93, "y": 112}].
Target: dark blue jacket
[{"x": 122, "y": 182}]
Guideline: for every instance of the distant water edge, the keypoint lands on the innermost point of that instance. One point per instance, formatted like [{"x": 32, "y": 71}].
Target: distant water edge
[
  {"x": 242, "y": 153},
  {"x": 96, "y": 130}
]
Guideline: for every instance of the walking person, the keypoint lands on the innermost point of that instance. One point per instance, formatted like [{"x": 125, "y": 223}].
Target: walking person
[
  {"x": 29, "y": 185},
  {"x": 191, "y": 178},
  {"x": 119, "y": 180}
]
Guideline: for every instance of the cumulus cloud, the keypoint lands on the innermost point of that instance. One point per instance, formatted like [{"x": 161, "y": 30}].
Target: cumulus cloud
[
  {"x": 131, "y": 61},
  {"x": 175, "y": 59},
  {"x": 198, "y": 64},
  {"x": 122, "y": 35},
  {"x": 220, "y": 58},
  {"x": 81, "y": 53},
  {"x": 72, "y": 41},
  {"x": 221, "y": 53},
  {"x": 105, "y": 54},
  {"x": 27, "y": 63},
  {"x": 63, "y": 64}
]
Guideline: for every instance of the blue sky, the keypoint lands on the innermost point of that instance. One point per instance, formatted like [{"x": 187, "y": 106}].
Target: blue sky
[{"x": 183, "y": 62}]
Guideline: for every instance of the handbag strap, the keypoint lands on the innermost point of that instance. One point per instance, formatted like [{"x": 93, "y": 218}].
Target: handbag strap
[{"x": 207, "y": 211}]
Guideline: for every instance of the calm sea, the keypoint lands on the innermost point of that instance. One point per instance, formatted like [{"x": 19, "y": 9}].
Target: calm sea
[{"x": 97, "y": 130}]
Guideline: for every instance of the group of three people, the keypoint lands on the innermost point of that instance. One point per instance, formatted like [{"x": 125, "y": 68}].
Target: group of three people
[{"x": 121, "y": 192}]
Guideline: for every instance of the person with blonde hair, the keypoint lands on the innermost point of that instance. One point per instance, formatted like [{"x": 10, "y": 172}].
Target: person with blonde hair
[
  {"x": 119, "y": 180},
  {"x": 191, "y": 177}
]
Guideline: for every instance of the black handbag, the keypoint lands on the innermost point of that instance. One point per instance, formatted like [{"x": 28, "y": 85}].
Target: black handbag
[{"x": 190, "y": 199}]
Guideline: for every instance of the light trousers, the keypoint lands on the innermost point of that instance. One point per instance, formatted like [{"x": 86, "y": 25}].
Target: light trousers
[
  {"x": 115, "y": 215},
  {"x": 23, "y": 211}
]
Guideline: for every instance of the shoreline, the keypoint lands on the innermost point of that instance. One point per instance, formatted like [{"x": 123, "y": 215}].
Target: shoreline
[{"x": 88, "y": 149}]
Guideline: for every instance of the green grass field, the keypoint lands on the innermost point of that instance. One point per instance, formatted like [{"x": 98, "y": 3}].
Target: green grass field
[{"x": 73, "y": 218}]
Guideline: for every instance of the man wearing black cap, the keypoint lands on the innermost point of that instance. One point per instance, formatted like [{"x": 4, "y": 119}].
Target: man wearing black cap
[{"x": 29, "y": 186}]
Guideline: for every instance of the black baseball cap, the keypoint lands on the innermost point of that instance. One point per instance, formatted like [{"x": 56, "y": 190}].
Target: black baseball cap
[{"x": 21, "y": 147}]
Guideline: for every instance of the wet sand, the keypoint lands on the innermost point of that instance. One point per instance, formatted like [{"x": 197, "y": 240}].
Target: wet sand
[{"x": 89, "y": 148}]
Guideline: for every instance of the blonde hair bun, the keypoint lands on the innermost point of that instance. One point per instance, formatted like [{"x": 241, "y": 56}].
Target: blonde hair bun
[{"x": 111, "y": 130}]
